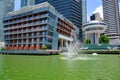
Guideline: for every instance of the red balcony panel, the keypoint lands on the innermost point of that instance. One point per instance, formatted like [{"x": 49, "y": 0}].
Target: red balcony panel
[
  {"x": 26, "y": 47},
  {"x": 38, "y": 47},
  {"x": 32, "y": 47}
]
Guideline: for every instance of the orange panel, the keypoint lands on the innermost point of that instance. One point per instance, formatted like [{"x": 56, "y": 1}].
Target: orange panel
[
  {"x": 15, "y": 48},
  {"x": 26, "y": 47},
  {"x": 38, "y": 47},
  {"x": 32, "y": 47},
  {"x": 21, "y": 47},
  {"x": 7, "y": 47}
]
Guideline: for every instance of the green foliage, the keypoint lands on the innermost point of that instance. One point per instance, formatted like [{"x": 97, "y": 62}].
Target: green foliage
[
  {"x": 104, "y": 39},
  {"x": 101, "y": 51},
  {"x": 3, "y": 48},
  {"x": 88, "y": 41},
  {"x": 44, "y": 47}
]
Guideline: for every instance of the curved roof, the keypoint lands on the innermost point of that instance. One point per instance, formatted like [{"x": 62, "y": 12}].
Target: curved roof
[{"x": 95, "y": 22}]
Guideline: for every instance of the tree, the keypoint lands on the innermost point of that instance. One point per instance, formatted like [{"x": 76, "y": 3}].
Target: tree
[
  {"x": 104, "y": 39},
  {"x": 3, "y": 48},
  {"x": 88, "y": 41},
  {"x": 44, "y": 47}
]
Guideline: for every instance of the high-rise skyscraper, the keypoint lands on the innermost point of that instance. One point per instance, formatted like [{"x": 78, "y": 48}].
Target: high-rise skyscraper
[
  {"x": 5, "y": 7},
  {"x": 111, "y": 17},
  {"x": 27, "y": 2},
  {"x": 84, "y": 11},
  {"x": 74, "y": 10}
]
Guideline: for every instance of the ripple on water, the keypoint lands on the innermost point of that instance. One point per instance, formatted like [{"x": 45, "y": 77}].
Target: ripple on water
[{"x": 77, "y": 58}]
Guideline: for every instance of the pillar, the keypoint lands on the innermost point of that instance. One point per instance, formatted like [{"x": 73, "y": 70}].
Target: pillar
[{"x": 62, "y": 43}]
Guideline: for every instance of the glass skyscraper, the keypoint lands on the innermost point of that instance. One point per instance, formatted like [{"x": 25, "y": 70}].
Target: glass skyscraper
[
  {"x": 74, "y": 10},
  {"x": 27, "y": 2},
  {"x": 84, "y": 11},
  {"x": 5, "y": 7}
]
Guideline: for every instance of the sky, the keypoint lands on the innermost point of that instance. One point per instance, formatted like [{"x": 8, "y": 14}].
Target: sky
[{"x": 92, "y": 7}]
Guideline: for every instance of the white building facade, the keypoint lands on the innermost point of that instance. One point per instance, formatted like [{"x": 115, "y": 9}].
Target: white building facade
[{"x": 93, "y": 29}]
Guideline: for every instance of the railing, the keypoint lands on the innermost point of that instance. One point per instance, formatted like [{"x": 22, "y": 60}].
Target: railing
[
  {"x": 25, "y": 31},
  {"x": 27, "y": 19}
]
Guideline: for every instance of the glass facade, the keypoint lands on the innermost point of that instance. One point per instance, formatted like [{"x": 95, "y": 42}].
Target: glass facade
[
  {"x": 5, "y": 7},
  {"x": 24, "y": 3},
  {"x": 84, "y": 11},
  {"x": 27, "y": 2},
  {"x": 71, "y": 9}
]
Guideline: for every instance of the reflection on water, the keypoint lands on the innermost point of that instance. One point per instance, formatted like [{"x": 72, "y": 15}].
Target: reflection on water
[
  {"x": 101, "y": 67},
  {"x": 78, "y": 58}
]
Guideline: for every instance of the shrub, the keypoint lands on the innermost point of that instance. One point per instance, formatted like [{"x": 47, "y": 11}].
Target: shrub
[
  {"x": 44, "y": 47},
  {"x": 104, "y": 39},
  {"x": 3, "y": 48},
  {"x": 88, "y": 41}
]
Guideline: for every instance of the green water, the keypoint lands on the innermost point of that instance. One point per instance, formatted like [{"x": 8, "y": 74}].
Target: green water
[{"x": 19, "y": 67}]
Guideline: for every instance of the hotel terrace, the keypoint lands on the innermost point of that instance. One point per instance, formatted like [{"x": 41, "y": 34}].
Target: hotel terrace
[{"x": 32, "y": 27}]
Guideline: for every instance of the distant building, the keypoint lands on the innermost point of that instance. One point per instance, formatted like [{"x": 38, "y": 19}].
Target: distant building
[
  {"x": 32, "y": 27},
  {"x": 93, "y": 29},
  {"x": 74, "y": 10},
  {"x": 96, "y": 16},
  {"x": 111, "y": 17},
  {"x": 5, "y": 7}
]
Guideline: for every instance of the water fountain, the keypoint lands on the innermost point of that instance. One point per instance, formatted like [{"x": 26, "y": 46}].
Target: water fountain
[{"x": 73, "y": 48}]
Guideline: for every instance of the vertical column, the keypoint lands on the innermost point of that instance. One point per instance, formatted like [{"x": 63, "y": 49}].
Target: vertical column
[
  {"x": 62, "y": 43},
  {"x": 97, "y": 38}
]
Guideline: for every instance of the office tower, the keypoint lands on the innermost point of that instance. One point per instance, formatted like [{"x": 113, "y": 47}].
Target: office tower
[
  {"x": 84, "y": 12},
  {"x": 5, "y": 7},
  {"x": 32, "y": 27},
  {"x": 96, "y": 16},
  {"x": 111, "y": 17},
  {"x": 71, "y": 9},
  {"x": 27, "y": 3}
]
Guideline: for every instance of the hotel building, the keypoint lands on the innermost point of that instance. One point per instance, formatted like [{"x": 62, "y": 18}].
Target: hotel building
[
  {"x": 74, "y": 10},
  {"x": 32, "y": 27}
]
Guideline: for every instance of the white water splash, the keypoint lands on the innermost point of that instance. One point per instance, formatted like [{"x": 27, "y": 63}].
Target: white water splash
[{"x": 72, "y": 49}]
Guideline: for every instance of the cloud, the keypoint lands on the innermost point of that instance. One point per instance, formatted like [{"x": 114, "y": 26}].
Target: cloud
[
  {"x": 99, "y": 10},
  {"x": 88, "y": 18}
]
